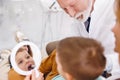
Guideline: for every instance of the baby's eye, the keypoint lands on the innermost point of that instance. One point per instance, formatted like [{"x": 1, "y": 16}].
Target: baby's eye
[
  {"x": 20, "y": 62},
  {"x": 28, "y": 57}
]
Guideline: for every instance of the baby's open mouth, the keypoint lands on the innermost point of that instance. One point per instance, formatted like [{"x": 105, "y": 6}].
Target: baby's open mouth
[{"x": 30, "y": 67}]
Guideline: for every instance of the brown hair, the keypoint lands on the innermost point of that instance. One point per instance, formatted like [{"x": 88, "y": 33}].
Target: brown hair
[
  {"x": 29, "y": 50},
  {"x": 117, "y": 9},
  {"x": 20, "y": 50},
  {"x": 81, "y": 57}
]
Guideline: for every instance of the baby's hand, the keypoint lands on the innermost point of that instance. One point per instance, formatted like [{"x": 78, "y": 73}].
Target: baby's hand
[{"x": 33, "y": 76}]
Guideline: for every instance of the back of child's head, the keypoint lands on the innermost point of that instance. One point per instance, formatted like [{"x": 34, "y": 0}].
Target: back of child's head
[{"x": 81, "y": 57}]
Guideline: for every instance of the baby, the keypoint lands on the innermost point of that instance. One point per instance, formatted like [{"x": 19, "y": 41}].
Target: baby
[{"x": 25, "y": 61}]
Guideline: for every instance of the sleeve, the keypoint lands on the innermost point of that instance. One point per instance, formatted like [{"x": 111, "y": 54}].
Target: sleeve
[
  {"x": 12, "y": 75},
  {"x": 46, "y": 64}
]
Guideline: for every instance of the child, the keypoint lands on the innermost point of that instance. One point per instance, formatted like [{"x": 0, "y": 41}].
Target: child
[
  {"x": 80, "y": 58},
  {"x": 25, "y": 62}
]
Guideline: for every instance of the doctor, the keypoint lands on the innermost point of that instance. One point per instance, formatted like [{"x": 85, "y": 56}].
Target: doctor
[{"x": 101, "y": 20}]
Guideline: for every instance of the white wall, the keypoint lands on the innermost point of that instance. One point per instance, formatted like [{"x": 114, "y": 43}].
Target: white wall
[{"x": 38, "y": 24}]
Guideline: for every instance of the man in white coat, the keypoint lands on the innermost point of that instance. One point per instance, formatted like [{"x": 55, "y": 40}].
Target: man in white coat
[{"x": 102, "y": 19}]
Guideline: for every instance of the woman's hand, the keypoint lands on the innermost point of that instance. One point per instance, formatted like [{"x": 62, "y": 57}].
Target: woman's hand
[{"x": 33, "y": 76}]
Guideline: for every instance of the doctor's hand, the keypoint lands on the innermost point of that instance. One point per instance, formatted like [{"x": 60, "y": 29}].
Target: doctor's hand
[{"x": 33, "y": 76}]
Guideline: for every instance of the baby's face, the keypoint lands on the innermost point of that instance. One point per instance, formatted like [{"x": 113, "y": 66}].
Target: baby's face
[{"x": 24, "y": 61}]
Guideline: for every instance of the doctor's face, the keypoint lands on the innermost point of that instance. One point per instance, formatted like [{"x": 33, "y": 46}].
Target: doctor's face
[
  {"x": 116, "y": 31},
  {"x": 75, "y": 7},
  {"x": 72, "y": 7}
]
